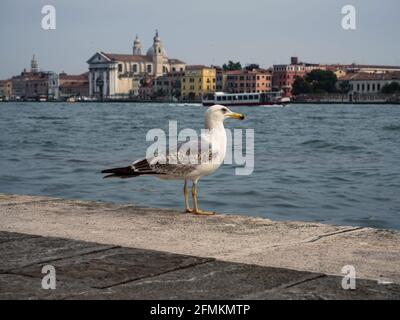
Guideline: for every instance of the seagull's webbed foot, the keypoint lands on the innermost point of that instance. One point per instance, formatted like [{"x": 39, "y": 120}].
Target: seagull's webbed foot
[
  {"x": 196, "y": 209},
  {"x": 203, "y": 213},
  {"x": 188, "y": 210}
]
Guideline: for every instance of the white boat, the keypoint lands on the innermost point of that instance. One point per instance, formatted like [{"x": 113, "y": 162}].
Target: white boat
[
  {"x": 245, "y": 99},
  {"x": 42, "y": 98}
]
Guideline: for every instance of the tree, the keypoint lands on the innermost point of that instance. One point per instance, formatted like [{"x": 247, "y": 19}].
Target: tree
[
  {"x": 301, "y": 86},
  {"x": 322, "y": 81},
  {"x": 344, "y": 86},
  {"x": 393, "y": 87},
  {"x": 317, "y": 81},
  {"x": 231, "y": 66},
  {"x": 252, "y": 66}
]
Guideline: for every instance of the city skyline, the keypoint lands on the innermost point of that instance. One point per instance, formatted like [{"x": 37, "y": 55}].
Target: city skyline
[{"x": 266, "y": 33}]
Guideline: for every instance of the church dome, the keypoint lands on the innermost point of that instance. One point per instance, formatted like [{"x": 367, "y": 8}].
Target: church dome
[
  {"x": 150, "y": 52},
  {"x": 156, "y": 43}
]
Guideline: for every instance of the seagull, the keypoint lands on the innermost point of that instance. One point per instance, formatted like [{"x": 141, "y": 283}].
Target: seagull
[{"x": 190, "y": 160}]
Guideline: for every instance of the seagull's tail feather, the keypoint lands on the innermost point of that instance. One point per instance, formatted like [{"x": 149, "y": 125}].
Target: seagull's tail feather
[{"x": 125, "y": 172}]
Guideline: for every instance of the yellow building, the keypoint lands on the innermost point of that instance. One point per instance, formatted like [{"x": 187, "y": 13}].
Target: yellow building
[
  {"x": 197, "y": 81},
  {"x": 340, "y": 73}
]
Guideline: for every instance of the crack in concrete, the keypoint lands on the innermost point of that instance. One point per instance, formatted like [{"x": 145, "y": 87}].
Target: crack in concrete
[
  {"x": 19, "y": 238},
  {"x": 301, "y": 281},
  {"x": 316, "y": 238},
  {"x": 15, "y": 270},
  {"x": 194, "y": 264},
  {"x": 287, "y": 285}
]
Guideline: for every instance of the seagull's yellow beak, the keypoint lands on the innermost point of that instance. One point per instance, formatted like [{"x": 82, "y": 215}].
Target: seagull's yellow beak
[{"x": 235, "y": 115}]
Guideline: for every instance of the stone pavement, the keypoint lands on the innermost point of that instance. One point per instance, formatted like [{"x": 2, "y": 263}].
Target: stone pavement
[
  {"x": 109, "y": 251},
  {"x": 87, "y": 270}
]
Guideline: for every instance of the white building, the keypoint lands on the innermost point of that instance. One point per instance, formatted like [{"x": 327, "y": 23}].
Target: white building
[
  {"x": 367, "y": 83},
  {"x": 113, "y": 75}
]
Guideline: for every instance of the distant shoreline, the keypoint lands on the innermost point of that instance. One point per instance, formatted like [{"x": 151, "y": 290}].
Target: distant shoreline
[{"x": 198, "y": 102}]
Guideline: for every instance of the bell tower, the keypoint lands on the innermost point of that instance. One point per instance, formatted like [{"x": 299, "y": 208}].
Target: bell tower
[
  {"x": 158, "y": 57},
  {"x": 137, "y": 46},
  {"x": 34, "y": 65}
]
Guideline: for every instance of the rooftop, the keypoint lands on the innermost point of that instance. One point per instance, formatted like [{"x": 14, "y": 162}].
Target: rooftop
[
  {"x": 73, "y": 77},
  {"x": 371, "y": 76},
  {"x": 197, "y": 67},
  {"x": 136, "y": 58},
  {"x": 127, "y": 57}
]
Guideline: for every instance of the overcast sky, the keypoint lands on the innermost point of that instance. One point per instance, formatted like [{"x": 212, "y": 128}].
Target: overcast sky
[{"x": 199, "y": 32}]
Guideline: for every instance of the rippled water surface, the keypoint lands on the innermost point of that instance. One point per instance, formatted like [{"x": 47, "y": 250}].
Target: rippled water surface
[{"x": 332, "y": 163}]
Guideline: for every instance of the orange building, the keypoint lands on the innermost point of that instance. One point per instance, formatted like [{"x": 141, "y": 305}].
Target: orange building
[{"x": 241, "y": 81}]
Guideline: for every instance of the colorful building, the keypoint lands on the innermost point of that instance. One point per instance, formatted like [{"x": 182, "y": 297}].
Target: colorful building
[
  {"x": 241, "y": 81},
  {"x": 197, "y": 81},
  {"x": 146, "y": 88},
  {"x": 168, "y": 86},
  {"x": 285, "y": 74},
  {"x": 5, "y": 89},
  {"x": 221, "y": 77}
]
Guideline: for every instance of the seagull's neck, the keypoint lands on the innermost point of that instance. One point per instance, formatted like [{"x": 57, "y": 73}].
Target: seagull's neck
[
  {"x": 214, "y": 125},
  {"x": 218, "y": 137}
]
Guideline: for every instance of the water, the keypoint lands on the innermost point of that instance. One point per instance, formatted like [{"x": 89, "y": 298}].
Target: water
[{"x": 335, "y": 164}]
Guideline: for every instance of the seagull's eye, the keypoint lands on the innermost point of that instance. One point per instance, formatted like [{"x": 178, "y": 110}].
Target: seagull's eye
[{"x": 224, "y": 110}]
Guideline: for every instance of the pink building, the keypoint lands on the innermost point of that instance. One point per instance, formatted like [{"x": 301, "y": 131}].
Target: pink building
[
  {"x": 285, "y": 74},
  {"x": 241, "y": 81}
]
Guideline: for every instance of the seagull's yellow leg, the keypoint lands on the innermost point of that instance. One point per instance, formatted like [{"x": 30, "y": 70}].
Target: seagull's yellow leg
[
  {"x": 196, "y": 209},
  {"x": 186, "y": 193}
]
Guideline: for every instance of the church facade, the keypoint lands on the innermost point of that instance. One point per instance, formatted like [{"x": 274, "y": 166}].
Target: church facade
[{"x": 118, "y": 75}]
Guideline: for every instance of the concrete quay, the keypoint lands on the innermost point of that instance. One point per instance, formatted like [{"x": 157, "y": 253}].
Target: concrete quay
[{"x": 109, "y": 251}]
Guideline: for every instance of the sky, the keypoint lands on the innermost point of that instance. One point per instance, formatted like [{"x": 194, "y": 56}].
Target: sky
[{"x": 207, "y": 32}]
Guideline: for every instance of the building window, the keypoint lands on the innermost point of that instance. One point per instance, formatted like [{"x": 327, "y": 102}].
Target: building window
[
  {"x": 135, "y": 68},
  {"x": 149, "y": 68},
  {"x": 120, "y": 67}
]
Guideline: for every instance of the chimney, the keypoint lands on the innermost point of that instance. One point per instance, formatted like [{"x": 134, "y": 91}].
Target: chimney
[{"x": 294, "y": 60}]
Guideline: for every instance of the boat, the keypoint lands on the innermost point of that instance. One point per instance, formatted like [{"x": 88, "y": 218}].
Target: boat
[
  {"x": 42, "y": 98},
  {"x": 71, "y": 99},
  {"x": 245, "y": 99}
]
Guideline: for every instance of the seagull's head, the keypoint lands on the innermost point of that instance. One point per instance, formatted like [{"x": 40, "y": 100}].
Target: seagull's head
[{"x": 218, "y": 113}]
